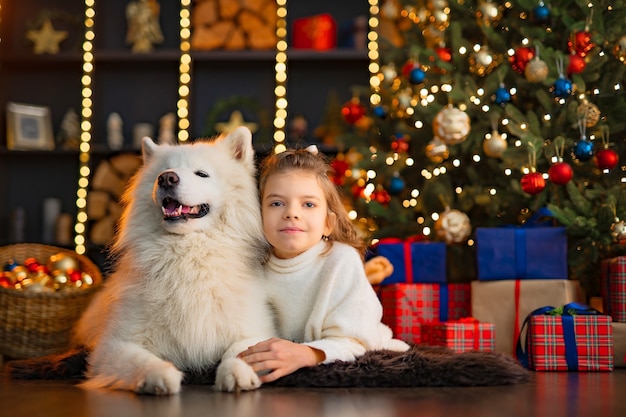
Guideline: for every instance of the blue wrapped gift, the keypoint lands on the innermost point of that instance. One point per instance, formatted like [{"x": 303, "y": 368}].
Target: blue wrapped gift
[
  {"x": 414, "y": 261},
  {"x": 521, "y": 253}
]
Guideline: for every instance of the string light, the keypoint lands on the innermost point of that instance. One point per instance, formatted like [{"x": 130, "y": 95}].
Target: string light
[
  {"x": 184, "y": 71},
  {"x": 280, "y": 90},
  {"x": 85, "y": 128}
]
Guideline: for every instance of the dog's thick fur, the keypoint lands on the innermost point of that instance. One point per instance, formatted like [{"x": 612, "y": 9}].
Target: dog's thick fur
[{"x": 185, "y": 291}]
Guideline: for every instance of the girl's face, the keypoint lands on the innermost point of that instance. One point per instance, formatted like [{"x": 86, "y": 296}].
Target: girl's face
[{"x": 295, "y": 213}]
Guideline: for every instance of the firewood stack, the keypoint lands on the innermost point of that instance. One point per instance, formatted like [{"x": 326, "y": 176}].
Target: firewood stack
[
  {"x": 110, "y": 179},
  {"x": 233, "y": 24}
]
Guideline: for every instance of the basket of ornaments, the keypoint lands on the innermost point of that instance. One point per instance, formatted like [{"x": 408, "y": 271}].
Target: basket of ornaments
[{"x": 43, "y": 291}]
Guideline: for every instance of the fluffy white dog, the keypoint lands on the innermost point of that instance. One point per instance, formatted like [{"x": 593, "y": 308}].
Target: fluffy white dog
[{"x": 185, "y": 292}]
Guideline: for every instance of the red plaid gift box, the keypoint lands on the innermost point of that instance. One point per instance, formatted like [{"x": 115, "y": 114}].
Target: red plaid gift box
[
  {"x": 406, "y": 306},
  {"x": 568, "y": 342},
  {"x": 463, "y": 335},
  {"x": 614, "y": 288}
]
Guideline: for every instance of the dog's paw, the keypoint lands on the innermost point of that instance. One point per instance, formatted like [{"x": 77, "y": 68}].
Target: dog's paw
[
  {"x": 234, "y": 374},
  {"x": 160, "y": 379}
]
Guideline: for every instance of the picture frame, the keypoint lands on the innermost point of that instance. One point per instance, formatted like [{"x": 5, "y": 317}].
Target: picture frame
[{"x": 29, "y": 127}]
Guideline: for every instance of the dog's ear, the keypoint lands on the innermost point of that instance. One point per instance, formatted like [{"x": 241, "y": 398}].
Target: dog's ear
[
  {"x": 240, "y": 142},
  {"x": 147, "y": 148}
]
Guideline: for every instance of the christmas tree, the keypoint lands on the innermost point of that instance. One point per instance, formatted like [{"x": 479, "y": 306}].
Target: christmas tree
[{"x": 481, "y": 113}]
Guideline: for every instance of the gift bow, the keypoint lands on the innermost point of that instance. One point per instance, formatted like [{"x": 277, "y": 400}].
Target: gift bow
[{"x": 567, "y": 313}]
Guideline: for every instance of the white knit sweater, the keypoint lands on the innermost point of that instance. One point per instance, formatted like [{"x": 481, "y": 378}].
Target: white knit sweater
[{"x": 325, "y": 301}]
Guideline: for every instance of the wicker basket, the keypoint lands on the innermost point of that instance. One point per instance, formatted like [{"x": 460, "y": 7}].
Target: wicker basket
[{"x": 40, "y": 324}]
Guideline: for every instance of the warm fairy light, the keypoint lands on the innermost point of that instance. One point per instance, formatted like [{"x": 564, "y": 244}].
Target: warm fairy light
[
  {"x": 372, "y": 50},
  {"x": 184, "y": 71},
  {"x": 85, "y": 127},
  {"x": 280, "y": 68}
]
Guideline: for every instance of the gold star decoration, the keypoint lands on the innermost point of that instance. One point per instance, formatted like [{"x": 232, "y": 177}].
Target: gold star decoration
[
  {"x": 236, "y": 120},
  {"x": 46, "y": 39}
]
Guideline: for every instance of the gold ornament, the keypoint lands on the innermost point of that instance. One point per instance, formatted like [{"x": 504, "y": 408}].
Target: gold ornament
[
  {"x": 589, "y": 112},
  {"x": 536, "y": 70},
  {"x": 46, "y": 39},
  {"x": 483, "y": 61},
  {"x": 437, "y": 151},
  {"x": 495, "y": 144},
  {"x": 488, "y": 13},
  {"x": 619, "y": 50},
  {"x": 618, "y": 231},
  {"x": 63, "y": 262},
  {"x": 451, "y": 125},
  {"x": 453, "y": 226}
]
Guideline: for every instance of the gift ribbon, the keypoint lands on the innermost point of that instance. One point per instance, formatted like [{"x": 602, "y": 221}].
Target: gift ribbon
[
  {"x": 521, "y": 254},
  {"x": 406, "y": 247},
  {"x": 444, "y": 298},
  {"x": 569, "y": 335}
]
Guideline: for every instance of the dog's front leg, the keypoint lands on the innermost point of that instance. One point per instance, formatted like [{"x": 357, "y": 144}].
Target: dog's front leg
[
  {"x": 128, "y": 366},
  {"x": 234, "y": 374}
]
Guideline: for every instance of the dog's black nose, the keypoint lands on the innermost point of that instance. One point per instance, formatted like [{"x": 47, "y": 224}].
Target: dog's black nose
[{"x": 168, "y": 179}]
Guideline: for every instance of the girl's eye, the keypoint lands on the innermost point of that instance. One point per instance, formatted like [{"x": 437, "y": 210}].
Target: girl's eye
[
  {"x": 309, "y": 205},
  {"x": 201, "y": 174},
  {"x": 275, "y": 204}
]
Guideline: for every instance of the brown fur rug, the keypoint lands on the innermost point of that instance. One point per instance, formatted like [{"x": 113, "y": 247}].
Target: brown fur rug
[{"x": 419, "y": 367}]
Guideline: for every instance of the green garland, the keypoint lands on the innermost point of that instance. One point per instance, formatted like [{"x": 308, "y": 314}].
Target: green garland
[{"x": 222, "y": 109}]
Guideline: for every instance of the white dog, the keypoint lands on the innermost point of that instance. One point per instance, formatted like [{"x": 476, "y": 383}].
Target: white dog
[{"x": 185, "y": 292}]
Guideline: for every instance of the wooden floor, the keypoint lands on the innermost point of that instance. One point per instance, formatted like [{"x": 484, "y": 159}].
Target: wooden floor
[{"x": 548, "y": 394}]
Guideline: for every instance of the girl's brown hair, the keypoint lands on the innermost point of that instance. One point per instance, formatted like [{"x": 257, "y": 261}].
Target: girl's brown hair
[{"x": 317, "y": 164}]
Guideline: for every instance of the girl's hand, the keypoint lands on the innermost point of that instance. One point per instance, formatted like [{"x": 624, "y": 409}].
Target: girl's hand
[{"x": 275, "y": 358}]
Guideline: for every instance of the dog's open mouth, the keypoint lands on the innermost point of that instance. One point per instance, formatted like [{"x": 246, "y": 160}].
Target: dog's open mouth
[{"x": 173, "y": 210}]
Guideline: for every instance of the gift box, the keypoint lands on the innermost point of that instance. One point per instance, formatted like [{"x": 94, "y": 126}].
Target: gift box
[
  {"x": 613, "y": 288},
  {"x": 507, "y": 303},
  {"x": 521, "y": 253},
  {"x": 572, "y": 338},
  {"x": 407, "y": 306},
  {"x": 315, "y": 32},
  {"x": 619, "y": 345},
  {"x": 413, "y": 261},
  {"x": 464, "y": 335}
]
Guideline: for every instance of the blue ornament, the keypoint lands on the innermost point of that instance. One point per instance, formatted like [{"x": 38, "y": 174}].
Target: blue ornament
[
  {"x": 562, "y": 87},
  {"x": 502, "y": 96},
  {"x": 396, "y": 185},
  {"x": 583, "y": 151},
  {"x": 541, "y": 12},
  {"x": 417, "y": 75},
  {"x": 380, "y": 111}
]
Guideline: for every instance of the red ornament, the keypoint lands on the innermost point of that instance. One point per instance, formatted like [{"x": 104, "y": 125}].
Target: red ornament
[
  {"x": 382, "y": 196},
  {"x": 339, "y": 166},
  {"x": 445, "y": 54},
  {"x": 606, "y": 158},
  {"x": 521, "y": 58},
  {"x": 561, "y": 173},
  {"x": 357, "y": 191},
  {"x": 576, "y": 64},
  {"x": 353, "y": 111},
  {"x": 408, "y": 67},
  {"x": 533, "y": 183},
  {"x": 581, "y": 44},
  {"x": 400, "y": 145}
]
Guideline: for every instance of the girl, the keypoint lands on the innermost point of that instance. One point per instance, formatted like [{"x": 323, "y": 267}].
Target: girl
[{"x": 326, "y": 309}]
